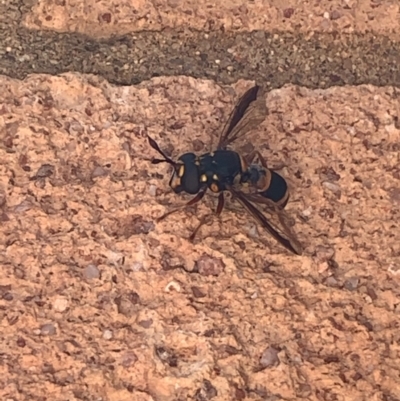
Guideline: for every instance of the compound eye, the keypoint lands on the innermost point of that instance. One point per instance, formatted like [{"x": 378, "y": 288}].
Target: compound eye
[{"x": 190, "y": 179}]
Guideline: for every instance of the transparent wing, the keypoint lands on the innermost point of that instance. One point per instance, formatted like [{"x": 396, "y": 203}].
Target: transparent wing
[
  {"x": 248, "y": 113},
  {"x": 277, "y": 223}
]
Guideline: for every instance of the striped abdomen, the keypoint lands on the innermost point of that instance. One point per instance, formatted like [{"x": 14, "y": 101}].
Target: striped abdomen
[{"x": 269, "y": 184}]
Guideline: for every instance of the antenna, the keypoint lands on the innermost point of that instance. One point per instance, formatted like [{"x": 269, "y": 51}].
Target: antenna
[{"x": 155, "y": 146}]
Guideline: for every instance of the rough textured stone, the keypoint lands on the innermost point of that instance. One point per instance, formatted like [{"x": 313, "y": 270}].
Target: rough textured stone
[
  {"x": 166, "y": 342},
  {"x": 105, "y": 18}
]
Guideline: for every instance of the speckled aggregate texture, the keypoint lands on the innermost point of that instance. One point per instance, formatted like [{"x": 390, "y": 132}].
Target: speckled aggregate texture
[
  {"x": 315, "y": 44},
  {"x": 99, "y": 301}
]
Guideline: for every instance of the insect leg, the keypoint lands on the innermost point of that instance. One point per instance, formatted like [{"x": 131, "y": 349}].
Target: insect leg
[
  {"x": 221, "y": 203},
  {"x": 193, "y": 201},
  {"x": 204, "y": 219},
  {"x": 251, "y": 156}
]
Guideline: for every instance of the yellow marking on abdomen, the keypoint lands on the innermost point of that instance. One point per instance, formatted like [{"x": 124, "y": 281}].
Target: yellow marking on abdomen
[
  {"x": 264, "y": 183},
  {"x": 243, "y": 164}
]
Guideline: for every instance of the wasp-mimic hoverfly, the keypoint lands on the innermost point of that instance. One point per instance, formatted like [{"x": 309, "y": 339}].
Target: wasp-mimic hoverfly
[{"x": 225, "y": 170}]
